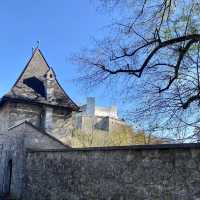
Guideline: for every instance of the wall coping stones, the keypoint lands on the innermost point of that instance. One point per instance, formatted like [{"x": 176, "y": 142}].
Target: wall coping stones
[{"x": 131, "y": 147}]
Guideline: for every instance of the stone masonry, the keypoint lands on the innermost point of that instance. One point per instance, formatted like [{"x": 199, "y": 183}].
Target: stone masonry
[
  {"x": 158, "y": 172},
  {"x": 13, "y": 145},
  {"x": 36, "y": 165}
]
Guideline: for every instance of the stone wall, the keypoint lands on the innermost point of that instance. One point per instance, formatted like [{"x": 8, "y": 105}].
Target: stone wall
[
  {"x": 4, "y": 114},
  {"x": 11, "y": 153},
  {"x": 160, "y": 172},
  {"x": 90, "y": 123},
  {"x": 35, "y": 138},
  {"x": 19, "y": 112},
  {"x": 102, "y": 123},
  {"x": 15, "y": 113},
  {"x": 116, "y": 124},
  {"x": 62, "y": 125}
]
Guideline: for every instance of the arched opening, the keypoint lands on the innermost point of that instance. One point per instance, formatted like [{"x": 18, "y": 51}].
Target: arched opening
[
  {"x": 7, "y": 179},
  {"x": 9, "y": 175}
]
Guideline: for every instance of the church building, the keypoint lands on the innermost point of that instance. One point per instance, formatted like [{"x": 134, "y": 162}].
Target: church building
[
  {"x": 37, "y": 97},
  {"x": 35, "y": 114}
]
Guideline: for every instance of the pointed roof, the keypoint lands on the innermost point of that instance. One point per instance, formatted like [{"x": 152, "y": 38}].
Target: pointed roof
[{"x": 32, "y": 84}]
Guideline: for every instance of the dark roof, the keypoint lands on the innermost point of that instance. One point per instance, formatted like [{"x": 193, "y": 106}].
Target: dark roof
[
  {"x": 5, "y": 99},
  {"x": 31, "y": 85}
]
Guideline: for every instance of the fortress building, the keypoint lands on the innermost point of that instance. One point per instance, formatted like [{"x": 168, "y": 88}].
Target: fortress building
[{"x": 93, "y": 117}]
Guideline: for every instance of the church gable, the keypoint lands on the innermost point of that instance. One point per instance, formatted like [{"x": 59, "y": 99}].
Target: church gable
[
  {"x": 35, "y": 138},
  {"x": 37, "y": 66},
  {"x": 38, "y": 83}
]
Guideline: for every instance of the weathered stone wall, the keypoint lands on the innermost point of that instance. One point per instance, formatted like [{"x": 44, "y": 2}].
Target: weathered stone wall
[
  {"x": 19, "y": 112},
  {"x": 62, "y": 125},
  {"x": 11, "y": 151},
  {"x": 61, "y": 122},
  {"x": 89, "y": 123},
  {"x": 102, "y": 123},
  {"x": 165, "y": 172},
  {"x": 4, "y": 115},
  {"x": 34, "y": 138},
  {"x": 116, "y": 124}
]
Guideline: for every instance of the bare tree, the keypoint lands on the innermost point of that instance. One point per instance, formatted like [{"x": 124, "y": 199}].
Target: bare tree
[{"x": 153, "y": 53}]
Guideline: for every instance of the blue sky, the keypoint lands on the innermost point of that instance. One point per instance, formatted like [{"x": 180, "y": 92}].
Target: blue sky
[{"x": 63, "y": 27}]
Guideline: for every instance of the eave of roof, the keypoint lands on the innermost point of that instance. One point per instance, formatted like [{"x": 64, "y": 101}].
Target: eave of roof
[{"x": 5, "y": 99}]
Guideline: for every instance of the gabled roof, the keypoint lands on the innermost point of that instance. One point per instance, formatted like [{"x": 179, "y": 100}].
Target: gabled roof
[
  {"x": 25, "y": 125},
  {"x": 31, "y": 84}
]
